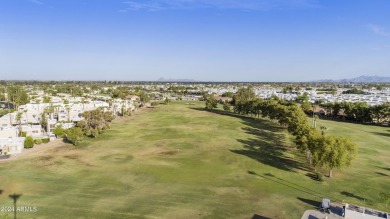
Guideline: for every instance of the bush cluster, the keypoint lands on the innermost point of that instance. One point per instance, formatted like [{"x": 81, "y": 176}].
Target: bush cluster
[
  {"x": 38, "y": 141},
  {"x": 29, "y": 142}
]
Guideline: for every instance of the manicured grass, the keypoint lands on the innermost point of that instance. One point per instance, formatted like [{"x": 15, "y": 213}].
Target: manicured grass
[{"x": 179, "y": 161}]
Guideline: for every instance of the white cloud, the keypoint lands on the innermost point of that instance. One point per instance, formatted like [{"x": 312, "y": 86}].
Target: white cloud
[
  {"x": 378, "y": 30},
  {"x": 36, "y": 2},
  {"x": 255, "y": 5}
]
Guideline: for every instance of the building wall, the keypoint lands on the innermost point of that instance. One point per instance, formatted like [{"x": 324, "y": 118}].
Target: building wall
[{"x": 12, "y": 145}]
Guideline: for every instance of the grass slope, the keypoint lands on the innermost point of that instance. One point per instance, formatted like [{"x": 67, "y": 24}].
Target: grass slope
[{"x": 180, "y": 162}]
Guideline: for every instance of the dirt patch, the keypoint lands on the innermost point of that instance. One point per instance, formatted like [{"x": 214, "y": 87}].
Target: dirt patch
[
  {"x": 45, "y": 158},
  {"x": 168, "y": 153},
  {"x": 72, "y": 157},
  {"x": 45, "y": 161},
  {"x": 159, "y": 145},
  {"x": 38, "y": 150},
  {"x": 117, "y": 158}
]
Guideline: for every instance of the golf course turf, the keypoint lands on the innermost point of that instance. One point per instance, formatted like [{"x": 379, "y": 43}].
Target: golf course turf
[{"x": 180, "y": 161}]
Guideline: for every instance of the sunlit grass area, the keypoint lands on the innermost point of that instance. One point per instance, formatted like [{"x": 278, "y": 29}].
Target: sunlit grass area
[{"x": 179, "y": 161}]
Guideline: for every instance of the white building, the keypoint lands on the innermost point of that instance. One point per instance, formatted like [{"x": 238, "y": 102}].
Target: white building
[{"x": 11, "y": 145}]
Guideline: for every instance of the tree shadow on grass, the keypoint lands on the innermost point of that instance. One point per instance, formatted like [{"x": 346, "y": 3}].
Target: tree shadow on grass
[
  {"x": 382, "y": 174},
  {"x": 266, "y": 144},
  {"x": 310, "y": 202},
  {"x": 256, "y": 216},
  {"x": 292, "y": 185},
  {"x": 220, "y": 112},
  {"x": 384, "y": 168},
  {"x": 382, "y": 134},
  {"x": 312, "y": 176},
  {"x": 15, "y": 198},
  {"x": 351, "y": 195}
]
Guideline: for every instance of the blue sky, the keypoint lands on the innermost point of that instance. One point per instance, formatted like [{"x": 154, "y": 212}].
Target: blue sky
[{"x": 209, "y": 40}]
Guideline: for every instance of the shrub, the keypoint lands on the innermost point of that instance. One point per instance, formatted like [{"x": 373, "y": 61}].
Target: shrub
[
  {"x": 38, "y": 141},
  {"x": 29, "y": 142},
  {"x": 24, "y": 134},
  {"x": 59, "y": 131},
  {"x": 45, "y": 140},
  {"x": 74, "y": 135},
  {"x": 320, "y": 176}
]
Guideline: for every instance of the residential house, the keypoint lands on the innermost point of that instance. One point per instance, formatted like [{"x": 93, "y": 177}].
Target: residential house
[{"x": 11, "y": 145}]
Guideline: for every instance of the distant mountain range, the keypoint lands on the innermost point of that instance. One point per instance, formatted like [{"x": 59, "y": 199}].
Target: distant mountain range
[
  {"x": 176, "y": 80},
  {"x": 360, "y": 79}
]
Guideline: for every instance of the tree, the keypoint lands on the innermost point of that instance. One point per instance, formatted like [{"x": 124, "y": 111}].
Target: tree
[
  {"x": 315, "y": 118},
  {"x": 17, "y": 95},
  {"x": 68, "y": 111},
  {"x": 46, "y": 99},
  {"x": 211, "y": 103},
  {"x": 25, "y": 111},
  {"x": 334, "y": 152},
  {"x": 38, "y": 103},
  {"x": 74, "y": 135},
  {"x": 228, "y": 94},
  {"x": 306, "y": 107},
  {"x": 167, "y": 101},
  {"x": 354, "y": 91},
  {"x": 19, "y": 119},
  {"x": 123, "y": 110},
  {"x": 43, "y": 119},
  {"x": 302, "y": 98},
  {"x": 323, "y": 128},
  {"x": 380, "y": 113},
  {"x": 243, "y": 96},
  {"x": 28, "y": 142},
  {"x": 83, "y": 102},
  {"x": 144, "y": 97},
  {"x": 226, "y": 106},
  {"x": 59, "y": 131},
  {"x": 95, "y": 122}
]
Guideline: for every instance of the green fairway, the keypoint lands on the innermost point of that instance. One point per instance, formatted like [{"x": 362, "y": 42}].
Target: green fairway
[{"x": 179, "y": 161}]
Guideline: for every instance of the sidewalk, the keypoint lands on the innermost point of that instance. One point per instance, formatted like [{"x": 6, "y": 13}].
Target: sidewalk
[{"x": 314, "y": 214}]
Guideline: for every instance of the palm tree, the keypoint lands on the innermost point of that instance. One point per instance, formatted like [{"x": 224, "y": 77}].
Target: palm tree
[
  {"x": 25, "y": 112},
  {"x": 57, "y": 108},
  {"x": 315, "y": 117},
  {"x": 50, "y": 110},
  {"x": 68, "y": 110},
  {"x": 323, "y": 128},
  {"x": 46, "y": 99},
  {"x": 19, "y": 119},
  {"x": 9, "y": 109},
  {"x": 123, "y": 110},
  {"x": 83, "y": 101},
  {"x": 38, "y": 102}
]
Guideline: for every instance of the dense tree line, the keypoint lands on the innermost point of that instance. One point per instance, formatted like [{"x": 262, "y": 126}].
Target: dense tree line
[
  {"x": 16, "y": 95},
  {"x": 358, "y": 112},
  {"x": 321, "y": 151},
  {"x": 354, "y": 91}
]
